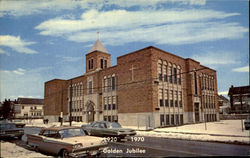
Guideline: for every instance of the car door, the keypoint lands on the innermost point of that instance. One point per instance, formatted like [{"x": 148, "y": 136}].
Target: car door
[
  {"x": 96, "y": 129},
  {"x": 49, "y": 143}
]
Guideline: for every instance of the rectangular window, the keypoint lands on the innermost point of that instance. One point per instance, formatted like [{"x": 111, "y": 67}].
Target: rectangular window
[
  {"x": 162, "y": 120},
  {"x": 160, "y": 71},
  {"x": 165, "y": 73},
  {"x": 109, "y": 84},
  {"x": 177, "y": 119},
  {"x": 105, "y": 85},
  {"x": 105, "y": 118},
  {"x": 172, "y": 119},
  {"x": 165, "y": 78},
  {"x": 105, "y": 64},
  {"x": 101, "y": 63},
  {"x": 160, "y": 77},
  {"x": 180, "y": 103},
  {"x": 175, "y": 99},
  {"x": 171, "y": 98},
  {"x": 195, "y": 83},
  {"x": 113, "y": 103},
  {"x": 170, "y": 76},
  {"x": 176, "y": 103},
  {"x": 180, "y": 98},
  {"x": 179, "y": 79},
  {"x": 175, "y": 75},
  {"x": 113, "y": 83},
  {"x": 161, "y": 102},
  {"x": 113, "y": 106},
  {"x": 109, "y": 103},
  {"x": 90, "y": 87},
  {"x": 91, "y": 63},
  {"x": 109, "y": 118},
  {"x": 166, "y": 103},
  {"x": 167, "y": 119}
]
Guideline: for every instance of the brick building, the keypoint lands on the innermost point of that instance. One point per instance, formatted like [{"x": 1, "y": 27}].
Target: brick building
[
  {"x": 149, "y": 87},
  {"x": 239, "y": 99}
]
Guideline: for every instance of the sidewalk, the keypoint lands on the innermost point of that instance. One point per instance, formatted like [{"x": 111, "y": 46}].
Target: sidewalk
[{"x": 226, "y": 131}]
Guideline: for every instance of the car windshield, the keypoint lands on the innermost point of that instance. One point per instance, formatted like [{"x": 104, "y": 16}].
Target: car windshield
[
  {"x": 115, "y": 125},
  {"x": 71, "y": 132}
]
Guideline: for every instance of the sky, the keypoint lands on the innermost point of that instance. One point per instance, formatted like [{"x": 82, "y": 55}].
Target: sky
[{"x": 45, "y": 39}]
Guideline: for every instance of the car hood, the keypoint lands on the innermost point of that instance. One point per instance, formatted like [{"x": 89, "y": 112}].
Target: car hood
[{"x": 85, "y": 140}]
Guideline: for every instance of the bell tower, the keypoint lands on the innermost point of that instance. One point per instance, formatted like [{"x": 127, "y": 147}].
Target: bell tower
[{"x": 97, "y": 58}]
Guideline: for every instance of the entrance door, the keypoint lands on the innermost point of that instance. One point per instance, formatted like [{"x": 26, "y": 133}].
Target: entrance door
[
  {"x": 196, "y": 112},
  {"x": 90, "y": 112},
  {"x": 90, "y": 116}
]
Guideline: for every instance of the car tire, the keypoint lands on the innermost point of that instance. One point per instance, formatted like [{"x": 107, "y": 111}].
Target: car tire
[
  {"x": 36, "y": 148},
  {"x": 88, "y": 133},
  {"x": 64, "y": 153}
]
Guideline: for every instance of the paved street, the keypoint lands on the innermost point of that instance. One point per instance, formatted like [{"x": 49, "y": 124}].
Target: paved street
[
  {"x": 152, "y": 146},
  {"x": 173, "y": 147}
]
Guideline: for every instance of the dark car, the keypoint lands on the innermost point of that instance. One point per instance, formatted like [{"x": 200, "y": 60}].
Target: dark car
[
  {"x": 66, "y": 142},
  {"x": 108, "y": 129},
  {"x": 247, "y": 123},
  {"x": 11, "y": 130}
]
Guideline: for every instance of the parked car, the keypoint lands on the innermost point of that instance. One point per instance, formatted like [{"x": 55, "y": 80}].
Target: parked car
[
  {"x": 108, "y": 129},
  {"x": 10, "y": 130},
  {"x": 247, "y": 123},
  {"x": 66, "y": 142}
]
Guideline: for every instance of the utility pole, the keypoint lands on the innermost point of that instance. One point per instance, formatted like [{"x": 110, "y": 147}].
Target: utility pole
[
  {"x": 61, "y": 115},
  {"x": 70, "y": 104}
]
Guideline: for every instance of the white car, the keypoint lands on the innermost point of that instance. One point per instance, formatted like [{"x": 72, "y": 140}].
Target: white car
[{"x": 66, "y": 142}]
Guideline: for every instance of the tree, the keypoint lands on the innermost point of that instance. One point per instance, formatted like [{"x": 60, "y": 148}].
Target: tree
[{"x": 7, "y": 109}]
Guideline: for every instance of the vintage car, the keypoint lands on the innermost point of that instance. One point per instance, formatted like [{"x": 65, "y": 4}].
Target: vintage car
[
  {"x": 10, "y": 130},
  {"x": 247, "y": 123},
  {"x": 66, "y": 142},
  {"x": 108, "y": 129}
]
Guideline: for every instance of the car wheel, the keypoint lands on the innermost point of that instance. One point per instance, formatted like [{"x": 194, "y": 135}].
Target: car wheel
[
  {"x": 64, "y": 153},
  {"x": 88, "y": 133},
  {"x": 36, "y": 149}
]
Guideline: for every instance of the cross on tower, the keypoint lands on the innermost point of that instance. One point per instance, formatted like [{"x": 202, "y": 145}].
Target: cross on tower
[
  {"x": 132, "y": 71},
  {"x": 98, "y": 35}
]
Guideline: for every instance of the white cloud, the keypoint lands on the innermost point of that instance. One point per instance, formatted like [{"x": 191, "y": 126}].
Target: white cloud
[
  {"x": 174, "y": 34},
  {"x": 27, "y": 7},
  {"x": 122, "y": 19},
  {"x": 223, "y": 93},
  {"x": 17, "y": 44},
  {"x": 22, "y": 82},
  {"x": 216, "y": 58},
  {"x": 162, "y": 27},
  {"x": 18, "y": 71},
  {"x": 242, "y": 69}
]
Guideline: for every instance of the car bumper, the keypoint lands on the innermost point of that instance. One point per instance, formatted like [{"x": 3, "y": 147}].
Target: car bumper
[
  {"x": 10, "y": 135},
  {"x": 126, "y": 134},
  {"x": 91, "y": 151}
]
